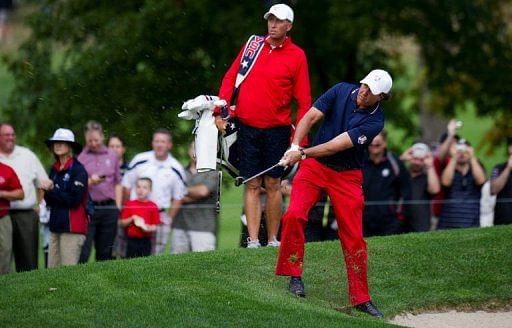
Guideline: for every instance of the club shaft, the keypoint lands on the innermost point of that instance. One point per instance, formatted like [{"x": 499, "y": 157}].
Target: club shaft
[{"x": 261, "y": 173}]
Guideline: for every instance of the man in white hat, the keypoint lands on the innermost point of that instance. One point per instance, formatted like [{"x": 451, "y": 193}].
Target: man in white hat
[
  {"x": 351, "y": 116},
  {"x": 424, "y": 185},
  {"x": 25, "y": 220},
  {"x": 274, "y": 72}
]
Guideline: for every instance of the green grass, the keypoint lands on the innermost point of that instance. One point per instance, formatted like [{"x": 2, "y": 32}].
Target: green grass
[
  {"x": 236, "y": 288},
  {"x": 230, "y": 212}
]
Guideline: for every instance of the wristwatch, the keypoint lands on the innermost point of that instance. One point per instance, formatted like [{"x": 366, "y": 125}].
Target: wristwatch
[{"x": 302, "y": 154}]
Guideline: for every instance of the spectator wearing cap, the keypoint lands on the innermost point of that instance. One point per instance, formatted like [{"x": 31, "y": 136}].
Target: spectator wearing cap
[
  {"x": 279, "y": 75},
  {"x": 424, "y": 184},
  {"x": 23, "y": 213},
  {"x": 103, "y": 168},
  {"x": 501, "y": 185},
  {"x": 67, "y": 200},
  {"x": 462, "y": 180},
  {"x": 351, "y": 117},
  {"x": 387, "y": 184}
]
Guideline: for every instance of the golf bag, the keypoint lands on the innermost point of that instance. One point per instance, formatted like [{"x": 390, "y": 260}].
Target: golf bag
[
  {"x": 215, "y": 151},
  {"x": 212, "y": 150}
]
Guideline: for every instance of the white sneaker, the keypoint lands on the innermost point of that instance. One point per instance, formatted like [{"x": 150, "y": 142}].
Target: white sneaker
[
  {"x": 274, "y": 243},
  {"x": 253, "y": 243}
]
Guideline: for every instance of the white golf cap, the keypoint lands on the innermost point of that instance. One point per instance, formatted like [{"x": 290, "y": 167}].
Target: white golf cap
[
  {"x": 379, "y": 81},
  {"x": 281, "y": 11},
  {"x": 420, "y": 150}
]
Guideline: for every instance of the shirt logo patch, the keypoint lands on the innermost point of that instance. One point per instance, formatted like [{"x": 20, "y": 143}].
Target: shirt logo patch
[
  {"x": 362, "y": 140},
  {"x": 385, "y": 172}
]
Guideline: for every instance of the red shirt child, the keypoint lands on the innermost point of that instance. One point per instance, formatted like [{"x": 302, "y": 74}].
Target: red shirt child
[{"x": 140, "y": 216}]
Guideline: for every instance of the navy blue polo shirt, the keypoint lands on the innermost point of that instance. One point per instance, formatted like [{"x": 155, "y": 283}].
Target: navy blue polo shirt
[{"x": 341, "y": 114}]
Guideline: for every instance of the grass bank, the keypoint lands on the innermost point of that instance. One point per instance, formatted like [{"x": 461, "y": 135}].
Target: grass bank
[{"x": 236, "y": 288}]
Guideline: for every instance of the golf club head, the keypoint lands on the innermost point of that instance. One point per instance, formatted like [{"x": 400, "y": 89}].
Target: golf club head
[{"x": 238, "y": 181}]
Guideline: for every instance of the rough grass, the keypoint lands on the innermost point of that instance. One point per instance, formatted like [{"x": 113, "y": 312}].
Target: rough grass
[{"x": 234, "y": 288}]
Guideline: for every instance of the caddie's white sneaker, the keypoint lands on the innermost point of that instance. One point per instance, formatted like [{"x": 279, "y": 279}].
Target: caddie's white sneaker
[
  {"x": 253, "y": 243},
  {"x": 274, "y": 243}
]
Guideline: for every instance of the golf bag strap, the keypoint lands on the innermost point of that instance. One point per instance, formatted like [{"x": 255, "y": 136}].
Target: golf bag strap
[{"x": 251, "y": 52}]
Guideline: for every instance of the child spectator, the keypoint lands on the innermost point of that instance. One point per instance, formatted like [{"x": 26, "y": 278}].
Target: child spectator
[{"x": 140, "y": 217}]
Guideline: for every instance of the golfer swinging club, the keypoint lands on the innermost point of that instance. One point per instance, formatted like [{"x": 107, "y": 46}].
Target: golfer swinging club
[{"x": 352, "y": 116}]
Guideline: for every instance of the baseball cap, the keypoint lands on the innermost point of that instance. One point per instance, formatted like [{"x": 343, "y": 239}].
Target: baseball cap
[
  {"x": 419, "y": 150},
  {"x": 281, "y": 11},
  {"x": 462, "y": 145},
  {"x": 64, "y": 135},
  {"x": 379, "y": 81}
]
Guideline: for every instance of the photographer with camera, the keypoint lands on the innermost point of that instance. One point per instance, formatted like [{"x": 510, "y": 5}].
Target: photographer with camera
[
  {"x": 441, "y": 159},
  {"x": 424, "y": 185},
  {"x": 462, "y": 180}
]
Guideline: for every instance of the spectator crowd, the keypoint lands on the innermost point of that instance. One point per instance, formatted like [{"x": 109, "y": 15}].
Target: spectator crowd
[
  {"x": 93, "y": 202},
  {"x": 92, "y": 197}
]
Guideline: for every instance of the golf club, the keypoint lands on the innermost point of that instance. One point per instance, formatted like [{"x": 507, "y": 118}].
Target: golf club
[{"x": 239, "y": 181}]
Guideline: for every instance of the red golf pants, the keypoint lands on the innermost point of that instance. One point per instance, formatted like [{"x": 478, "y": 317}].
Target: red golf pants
[{"x": 345, "y": 191}]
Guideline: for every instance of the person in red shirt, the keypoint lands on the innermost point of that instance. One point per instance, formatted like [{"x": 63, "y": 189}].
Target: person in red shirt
[
  {"x": 10, "y": 189},
  {"x": 140, "y": 217},
  {"x": 263, "y": 110}
]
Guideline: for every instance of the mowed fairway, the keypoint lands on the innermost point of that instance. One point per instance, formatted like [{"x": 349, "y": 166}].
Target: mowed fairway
[{"x": 237, "y": 288}]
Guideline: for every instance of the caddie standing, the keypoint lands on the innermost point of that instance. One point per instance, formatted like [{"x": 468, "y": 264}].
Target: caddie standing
[{"x": 274, "y": 72}]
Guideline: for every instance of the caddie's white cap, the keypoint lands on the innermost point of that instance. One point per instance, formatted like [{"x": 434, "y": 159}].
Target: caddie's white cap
[
  {"x": 281, "y": 11},
  {"x": 379, "y": 81},
  {"x": 420, "y": 150},
  {"x": 64, "y": 135}
]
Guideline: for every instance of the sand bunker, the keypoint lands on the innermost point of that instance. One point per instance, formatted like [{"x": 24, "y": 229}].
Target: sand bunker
[{"x": 455, "y": 319}]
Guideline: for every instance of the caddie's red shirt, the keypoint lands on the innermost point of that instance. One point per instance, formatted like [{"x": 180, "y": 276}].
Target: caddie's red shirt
[
  {"x": 8, "y": 181},
  {"x": 145, "y": 209},
  {"x": 279, "y": 75}
]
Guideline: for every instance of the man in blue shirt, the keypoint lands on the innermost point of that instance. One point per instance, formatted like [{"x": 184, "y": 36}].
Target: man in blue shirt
[{"x": 352, "y": 116}]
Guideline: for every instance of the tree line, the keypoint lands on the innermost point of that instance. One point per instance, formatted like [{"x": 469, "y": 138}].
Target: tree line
[{"x": 130, "y": 64}]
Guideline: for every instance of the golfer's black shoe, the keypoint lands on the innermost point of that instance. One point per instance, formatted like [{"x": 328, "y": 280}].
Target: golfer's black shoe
[
  {"x": 296, "y": 287},
  {"x": 369, "y": 308}
]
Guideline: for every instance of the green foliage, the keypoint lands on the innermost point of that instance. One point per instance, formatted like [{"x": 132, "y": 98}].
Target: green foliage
[
  {"x": 130, "y": 64},
  {"x": 236, "y": 288}
]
